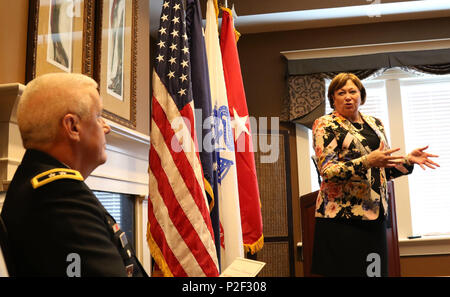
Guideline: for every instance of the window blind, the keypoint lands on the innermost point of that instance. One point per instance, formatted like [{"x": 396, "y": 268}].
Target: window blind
[
  {"x": 426, "y": 110},
  {"x": 111, "y": 202}
]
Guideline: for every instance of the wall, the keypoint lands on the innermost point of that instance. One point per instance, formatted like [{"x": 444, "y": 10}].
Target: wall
[
  {"x": 436, "y": 265},
  {"x": 14, "y": 16},
  {"x": 143, "y": 69},
  {"x": 264, "y": 74}
]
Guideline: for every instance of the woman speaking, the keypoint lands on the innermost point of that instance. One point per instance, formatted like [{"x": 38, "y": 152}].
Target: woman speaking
[{"x": 355, "y": 163}]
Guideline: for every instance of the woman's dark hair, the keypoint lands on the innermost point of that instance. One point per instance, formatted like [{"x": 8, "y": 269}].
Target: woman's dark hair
[{"x": 339, "y": 81}]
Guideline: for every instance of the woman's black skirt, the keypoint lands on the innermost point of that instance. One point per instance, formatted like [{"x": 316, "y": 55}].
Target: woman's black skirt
[{"x": 350, "y": 247}]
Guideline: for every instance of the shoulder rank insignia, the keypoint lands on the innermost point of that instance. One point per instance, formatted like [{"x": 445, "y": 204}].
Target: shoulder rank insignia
[{"x": 55, "y": 174}]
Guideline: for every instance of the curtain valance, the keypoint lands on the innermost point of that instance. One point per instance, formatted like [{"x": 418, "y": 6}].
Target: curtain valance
[
  {"x": 305, "y": 101},
  {"x": 371, "y": 61}
]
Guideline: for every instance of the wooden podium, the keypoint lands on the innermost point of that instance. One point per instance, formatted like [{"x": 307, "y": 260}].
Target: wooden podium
[{"x": 307, "y": 208}]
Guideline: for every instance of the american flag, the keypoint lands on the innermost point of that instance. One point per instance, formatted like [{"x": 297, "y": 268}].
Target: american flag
[{"x": 179, "y": 234}]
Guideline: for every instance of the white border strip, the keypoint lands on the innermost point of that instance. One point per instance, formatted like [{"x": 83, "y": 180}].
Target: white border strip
[{"x": 366, "y": 49}]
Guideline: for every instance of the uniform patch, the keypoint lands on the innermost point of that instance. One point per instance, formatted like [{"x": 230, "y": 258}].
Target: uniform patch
[
  {"x": 115, "y": 227},
  {"x": 123, "y": 239},
  {"x": 55, "y": 174},
  {"x": 129, "y": 269}
]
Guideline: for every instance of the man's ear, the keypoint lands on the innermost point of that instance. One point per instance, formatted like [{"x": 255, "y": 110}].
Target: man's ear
[{"x": 71, "y": 126}]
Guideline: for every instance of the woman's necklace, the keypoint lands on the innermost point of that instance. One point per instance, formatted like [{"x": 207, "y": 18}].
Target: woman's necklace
[
  {"x": 359, "y": 123},
  {"x": 356, "y": 125}
]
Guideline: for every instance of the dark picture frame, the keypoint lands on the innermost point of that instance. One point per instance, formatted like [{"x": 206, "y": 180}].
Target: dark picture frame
[
  {"x": 61, "y": 37},
  {"x": 115, "y": 59}
]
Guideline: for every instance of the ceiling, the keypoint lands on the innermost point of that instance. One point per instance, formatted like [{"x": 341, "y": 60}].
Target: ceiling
[{"x": 256, "y": 16}]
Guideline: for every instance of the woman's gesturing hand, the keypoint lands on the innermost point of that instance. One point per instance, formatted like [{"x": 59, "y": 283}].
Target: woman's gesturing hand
[
  {"x": 418, "y": 156},
  {"x": 381, "y": 158}
]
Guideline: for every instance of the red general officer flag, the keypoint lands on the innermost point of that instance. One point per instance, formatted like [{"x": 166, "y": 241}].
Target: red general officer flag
[{"x": 249, "y": 201}]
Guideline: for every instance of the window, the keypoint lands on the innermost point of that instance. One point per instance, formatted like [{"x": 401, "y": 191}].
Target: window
[
  {"x": 426, "y": 110},
  {"x": 121, "y": 208}
]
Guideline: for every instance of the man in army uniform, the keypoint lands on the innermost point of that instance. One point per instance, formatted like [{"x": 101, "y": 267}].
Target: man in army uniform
[{"x": 52, "y": 217}]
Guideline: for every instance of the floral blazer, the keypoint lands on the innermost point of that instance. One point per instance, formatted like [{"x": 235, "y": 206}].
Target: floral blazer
[{"x": 349, "y": 189}]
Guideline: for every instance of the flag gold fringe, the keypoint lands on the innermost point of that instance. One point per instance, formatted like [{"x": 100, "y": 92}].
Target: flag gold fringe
[
  {"x": 157, "y": 254},
  {"x": 216, "y": 7},
  {"x": 236, "y": 33},
  {"x": 254, "y": 247},
  {"x": 209, "y": 190}
]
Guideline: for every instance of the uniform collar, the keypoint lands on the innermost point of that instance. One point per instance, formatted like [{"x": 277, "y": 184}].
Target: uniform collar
[{"x": 33, "y": 155}]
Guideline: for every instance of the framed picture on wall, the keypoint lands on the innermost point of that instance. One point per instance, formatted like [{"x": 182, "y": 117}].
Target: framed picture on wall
[
  {"x": 116, "y": 59},
  {"x": 61, "y": 37}
]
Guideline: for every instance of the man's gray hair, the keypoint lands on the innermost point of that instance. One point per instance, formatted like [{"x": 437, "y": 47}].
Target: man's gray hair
[{"x": 46, "y": 100}]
